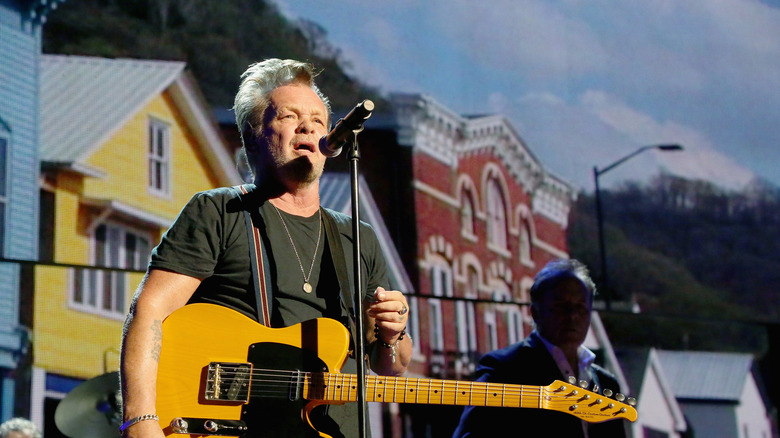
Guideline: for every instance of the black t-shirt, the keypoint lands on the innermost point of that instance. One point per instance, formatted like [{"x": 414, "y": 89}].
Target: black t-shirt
[{"x": 209, "y": 240}]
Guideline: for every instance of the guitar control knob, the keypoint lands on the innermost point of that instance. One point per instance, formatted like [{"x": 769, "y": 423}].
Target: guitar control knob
[
  {"x": 179, "y": 425},
  {"x": 620, "y": 397},
  {"x": 211, "y": 426},
  {"x": 632, "y": 401},
  {"x": 572, "y": 380},
  {"x": 608, "y": 392},
  {"x": 583, "y": 383}
]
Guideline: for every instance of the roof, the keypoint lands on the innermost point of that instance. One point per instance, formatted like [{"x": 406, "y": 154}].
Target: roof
[
  {"x": 85, "y": 99},
  {"x": 336, "y": 194},
  {"x": 713, "y": 376}
]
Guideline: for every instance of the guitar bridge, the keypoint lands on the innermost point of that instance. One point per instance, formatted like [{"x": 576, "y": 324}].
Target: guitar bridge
[{"x": 228, "y": 382}]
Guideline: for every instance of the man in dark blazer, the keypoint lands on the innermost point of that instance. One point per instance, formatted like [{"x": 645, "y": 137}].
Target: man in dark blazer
[{"x": 561, "y": 304}]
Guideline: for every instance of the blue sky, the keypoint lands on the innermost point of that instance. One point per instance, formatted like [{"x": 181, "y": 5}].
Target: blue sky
[{"x": 585, "y": 82}]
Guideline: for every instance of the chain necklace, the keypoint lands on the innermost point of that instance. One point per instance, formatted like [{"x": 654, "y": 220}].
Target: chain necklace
[{"x": 306, "y": 285}]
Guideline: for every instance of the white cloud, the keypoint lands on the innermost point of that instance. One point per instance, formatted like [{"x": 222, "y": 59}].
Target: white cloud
[
  {"x": 599, "y": 129},
  {"x": 700, "y": 160}
]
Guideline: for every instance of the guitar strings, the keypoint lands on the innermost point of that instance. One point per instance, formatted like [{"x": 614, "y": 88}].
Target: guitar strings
[{"x": 270, "y": 382}]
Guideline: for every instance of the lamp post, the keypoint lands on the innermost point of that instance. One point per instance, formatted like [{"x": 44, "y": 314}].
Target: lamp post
[{"x": 599, "y": 218}]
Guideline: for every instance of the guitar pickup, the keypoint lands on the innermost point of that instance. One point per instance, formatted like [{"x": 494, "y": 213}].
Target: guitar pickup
[
  {"x": 208, "y": 427},
  {"x": 228, "y": 382}
]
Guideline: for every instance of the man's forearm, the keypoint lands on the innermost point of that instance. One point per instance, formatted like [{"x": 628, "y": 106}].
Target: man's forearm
[{"x": 140, "y": 356}]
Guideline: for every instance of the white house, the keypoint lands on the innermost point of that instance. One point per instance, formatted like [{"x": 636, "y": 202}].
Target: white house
[
  {"x": 718, "y": 393},
  {"x": 659, "y": 414}
]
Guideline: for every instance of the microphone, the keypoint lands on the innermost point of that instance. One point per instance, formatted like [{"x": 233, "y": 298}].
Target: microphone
[{"x": 331, "y": 144}]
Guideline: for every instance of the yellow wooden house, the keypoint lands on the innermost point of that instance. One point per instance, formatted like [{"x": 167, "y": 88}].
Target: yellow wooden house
[{"x": 124, "y": 145}]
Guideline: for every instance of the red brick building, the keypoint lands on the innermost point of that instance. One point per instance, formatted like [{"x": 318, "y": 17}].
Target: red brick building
[{"x": 487, "y": 216}]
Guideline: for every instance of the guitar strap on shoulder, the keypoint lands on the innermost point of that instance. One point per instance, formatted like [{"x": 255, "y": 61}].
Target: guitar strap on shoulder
[
  {"x": 259, "y": 264},
  {"x": 340, "y": 265}
]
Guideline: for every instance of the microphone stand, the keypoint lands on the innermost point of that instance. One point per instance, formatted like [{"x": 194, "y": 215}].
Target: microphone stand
[{"x": 354, "y": 157}]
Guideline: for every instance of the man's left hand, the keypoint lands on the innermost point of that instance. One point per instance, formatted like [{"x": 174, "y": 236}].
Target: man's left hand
[{"x": 390, "y": 311}]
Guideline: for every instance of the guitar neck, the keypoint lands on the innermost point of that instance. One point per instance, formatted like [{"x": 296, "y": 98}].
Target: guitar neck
[{"x": 336, "y": 387}]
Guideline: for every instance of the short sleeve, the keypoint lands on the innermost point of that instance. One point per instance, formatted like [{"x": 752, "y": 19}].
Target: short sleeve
[{"x": 191, "y": 246}]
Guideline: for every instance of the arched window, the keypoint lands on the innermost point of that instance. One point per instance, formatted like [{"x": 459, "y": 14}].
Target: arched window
[
  {"x": 466, "y": 214},
  {"x": 524, "y": 242},
  {"x": 496, "y": 215}
]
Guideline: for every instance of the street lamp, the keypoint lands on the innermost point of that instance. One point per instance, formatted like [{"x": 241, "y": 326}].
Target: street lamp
[{"x": 600, "y": 220}]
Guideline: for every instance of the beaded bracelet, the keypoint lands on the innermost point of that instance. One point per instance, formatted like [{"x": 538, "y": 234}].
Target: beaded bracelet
[
  {"x": 134, "y": 420},
  {"x": 385, "y": 344},
  {"x": 394, "y": 347}
]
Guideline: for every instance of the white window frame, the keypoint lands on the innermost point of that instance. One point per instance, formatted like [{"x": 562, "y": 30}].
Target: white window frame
[
  {"x": 441, "y": 285},
  {"x": 467, "y": 326},
  {"x": 88, "y": 291},
  {"x": 413, "y": 325},
  {"x": 467, "y": 216},
  {"x": 491, "y": 329},
  {"x": 524, "y": 242},
  {"x": 515, "y": 324},
  {"x": 159, "y": 157},
  {"x": 497, "y": 216},
  {"x": 437, "y": 325},
  {"x": 465, "y": 313}
]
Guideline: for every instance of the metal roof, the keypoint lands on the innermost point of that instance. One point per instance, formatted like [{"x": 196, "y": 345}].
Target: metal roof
[
  {"x": 84, "y": 100},
  {"x": 706, "y": 375}
]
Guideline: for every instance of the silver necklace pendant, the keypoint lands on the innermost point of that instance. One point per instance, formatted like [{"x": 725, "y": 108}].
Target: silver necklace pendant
[{"x": 306, "y": 285}]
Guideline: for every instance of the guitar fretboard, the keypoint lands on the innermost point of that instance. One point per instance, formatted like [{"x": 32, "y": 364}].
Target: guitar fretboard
[{"x": 343, "y": 388}]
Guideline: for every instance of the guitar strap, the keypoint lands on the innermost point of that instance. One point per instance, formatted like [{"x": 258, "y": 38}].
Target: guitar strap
[
  {"x": 340, "y": 265},
  {"x": 259, "y": 264}
]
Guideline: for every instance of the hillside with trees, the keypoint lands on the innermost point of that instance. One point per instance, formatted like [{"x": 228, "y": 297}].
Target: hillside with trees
[
  {"x": 217, "y": 38},
  {"x": 701, "y": 263}
]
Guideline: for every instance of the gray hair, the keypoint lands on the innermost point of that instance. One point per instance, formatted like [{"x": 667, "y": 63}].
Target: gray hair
[
  {"x": 557, "y": 270},
  {"x": 21, "y": 425},
  {"x": 258, "y": 81}
]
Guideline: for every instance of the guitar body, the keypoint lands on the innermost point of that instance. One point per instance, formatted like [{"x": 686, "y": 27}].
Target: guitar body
[
  {"x": 223, "y": 374},
  {"x": 198, "y": 335}
]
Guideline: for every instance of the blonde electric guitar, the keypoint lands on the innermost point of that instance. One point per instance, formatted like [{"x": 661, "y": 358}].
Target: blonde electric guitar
[{"x": 223, "y": 374}]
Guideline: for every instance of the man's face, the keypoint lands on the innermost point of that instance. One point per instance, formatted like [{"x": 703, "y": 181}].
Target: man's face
[
  {"x": 563, "y": 314},
  {"x": 294, "y": 122}
]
